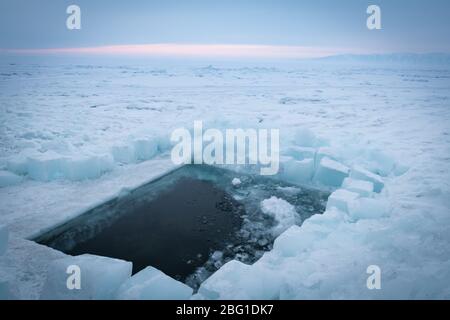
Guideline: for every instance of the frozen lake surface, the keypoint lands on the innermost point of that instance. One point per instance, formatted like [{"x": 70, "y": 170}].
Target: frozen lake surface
[{"x": 74, "y": 135}]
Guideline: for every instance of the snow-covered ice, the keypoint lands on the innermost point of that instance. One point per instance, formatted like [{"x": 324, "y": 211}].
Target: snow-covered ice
[
  {"x": 152, "y": 284},
  {"x": 77, "y": 134}
]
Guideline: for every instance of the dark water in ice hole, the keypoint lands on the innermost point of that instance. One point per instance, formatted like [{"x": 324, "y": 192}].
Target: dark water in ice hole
[
  {"x": 176, "y": 223},
  {"x": 180, "y": 226}
]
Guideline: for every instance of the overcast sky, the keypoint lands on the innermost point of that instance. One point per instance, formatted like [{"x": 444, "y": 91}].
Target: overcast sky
[{"x": 407, "y": 25}]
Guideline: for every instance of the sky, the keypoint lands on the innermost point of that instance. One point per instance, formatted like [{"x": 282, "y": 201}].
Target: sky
[{"x": 286, "y": 28}]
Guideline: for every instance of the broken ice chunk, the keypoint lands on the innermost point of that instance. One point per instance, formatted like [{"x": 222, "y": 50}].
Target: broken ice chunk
[
  {"x": 290, "y": 242},
  {"x": 4, "y": 235},
  {"x": 123, "y": 154},
  {"x": 164, "y": 142},
  {"x": 235, "y": 182},
  {"x": 217, "y": 255},
  {"x": 87, "y": 167},
  {"x": 9, "y": 179},
  {"x": 296, "y": 171},
  {"x": 340, "y": 199},
  {"x": 145, "y": 149},
  {"x": 300, "y": 153},
  {"x": 236, "y": 280},
  {"x": 50, "y": 165},
  {"x": 99, "y": 278},
  {"x": 282, "y": 211},
  {"x": 363, "y": 174},
  {"x": 364, "y": 188},
  {"x": 152, "y": 284},
  {"x": 296, "y": 240},
  {"x": 330, "y": 173},
  {"x": 368, "y": 208},
  {"x": 323, "y": 152},
  {"x": 46, "y": 166}
]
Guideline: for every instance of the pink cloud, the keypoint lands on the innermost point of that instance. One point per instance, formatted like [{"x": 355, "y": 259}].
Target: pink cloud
[{"x": 193, "y": 50}]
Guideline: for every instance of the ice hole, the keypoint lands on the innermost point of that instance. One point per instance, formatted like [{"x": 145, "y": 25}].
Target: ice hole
[{"x": 187, "y": 224}]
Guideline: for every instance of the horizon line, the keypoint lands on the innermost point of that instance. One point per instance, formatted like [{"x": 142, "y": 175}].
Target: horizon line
[{"x": 193, "y": 50}]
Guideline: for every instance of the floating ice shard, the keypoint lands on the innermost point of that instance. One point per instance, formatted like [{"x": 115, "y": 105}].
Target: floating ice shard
[
  {"x": 282, "y": 211},
  {"x": 236, "y": 182}
]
